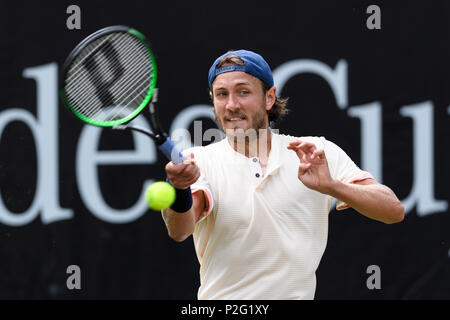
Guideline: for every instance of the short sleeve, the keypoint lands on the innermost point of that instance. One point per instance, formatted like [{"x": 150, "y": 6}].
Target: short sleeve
[
  {"x": 342, "y": 168},
  {"x": 202, "y": 183}
]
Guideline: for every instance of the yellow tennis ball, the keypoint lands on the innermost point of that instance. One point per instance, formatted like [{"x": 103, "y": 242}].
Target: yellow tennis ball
[{"x": 160, "y": 195}]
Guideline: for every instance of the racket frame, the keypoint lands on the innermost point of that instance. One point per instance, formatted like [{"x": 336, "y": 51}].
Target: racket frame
[{"x": 163, "y": 142}]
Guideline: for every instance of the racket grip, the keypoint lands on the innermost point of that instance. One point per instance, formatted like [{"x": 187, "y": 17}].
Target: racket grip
[
  {"x": 171, "y": 152},
  {"x": 183, "y": 198}
]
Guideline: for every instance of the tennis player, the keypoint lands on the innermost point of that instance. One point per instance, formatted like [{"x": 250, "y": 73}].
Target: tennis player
[{"x": 260, "y": 200}]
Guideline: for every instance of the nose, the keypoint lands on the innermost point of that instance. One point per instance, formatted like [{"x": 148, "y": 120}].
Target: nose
[{"x": 232, "y": 103}]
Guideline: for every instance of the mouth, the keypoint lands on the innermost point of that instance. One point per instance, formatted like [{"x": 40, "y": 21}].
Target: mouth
[{"x": 235, "y": 119}]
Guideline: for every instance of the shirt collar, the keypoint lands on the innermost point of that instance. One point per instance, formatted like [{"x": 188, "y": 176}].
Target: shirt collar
[{"x": 274, "y": 156}]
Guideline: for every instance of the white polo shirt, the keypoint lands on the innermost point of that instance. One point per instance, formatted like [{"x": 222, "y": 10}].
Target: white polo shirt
[{"x": 264, "y": 236}]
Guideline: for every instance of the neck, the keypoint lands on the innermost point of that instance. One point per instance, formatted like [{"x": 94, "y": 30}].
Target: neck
[{"x": 256, "y": 145}]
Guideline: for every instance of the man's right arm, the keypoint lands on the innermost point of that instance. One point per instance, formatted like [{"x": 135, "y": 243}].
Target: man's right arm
[{"x": 181, "y": 225}]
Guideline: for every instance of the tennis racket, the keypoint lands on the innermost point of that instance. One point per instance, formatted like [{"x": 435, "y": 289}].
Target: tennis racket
[{"x": 109, "y": 78}]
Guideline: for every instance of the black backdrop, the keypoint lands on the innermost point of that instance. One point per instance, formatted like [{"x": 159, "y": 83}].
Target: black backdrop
[{"x": 405, "y": 63}]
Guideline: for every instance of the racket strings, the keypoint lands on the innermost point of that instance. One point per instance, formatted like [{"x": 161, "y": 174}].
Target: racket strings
[
  {"x": 78, "y": 64},
  {"x": 82, "y": 75},
  {"x": 132, "y": 98},
  {"x": 86, "y": 93},
  {"x": 85, "y": 76},
  {"x": 82, "y": 90},
  {"x": 142, "y": 94},
  {"x": 90, "y": 110}
]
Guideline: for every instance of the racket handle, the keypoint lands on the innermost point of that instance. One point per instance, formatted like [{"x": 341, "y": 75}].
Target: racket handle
[
  {"x": 183, "y": 198},
  {"x": 171, "y": 152}
]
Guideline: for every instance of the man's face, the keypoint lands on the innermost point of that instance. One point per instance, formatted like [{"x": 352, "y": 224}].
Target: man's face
[{"x": 240, "y": 102}]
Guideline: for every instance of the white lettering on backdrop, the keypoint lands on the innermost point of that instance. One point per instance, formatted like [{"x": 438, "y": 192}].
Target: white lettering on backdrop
[{"x": 44, "y": 128}]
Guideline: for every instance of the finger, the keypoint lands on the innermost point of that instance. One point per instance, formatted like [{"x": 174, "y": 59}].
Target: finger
[
  {"x": 187, "y": 181},
  {"x": 307, "y": 146},
  {"x": 171, "y": 169},
  {"x": 315, "y": 155},
  {"x": 308, "y": 150},
  {"x": 294, "y": 143},
  {"x": 183, "y": 165},
  {"x": 190, "y": 170},
  {"x": 303, "y": 168},
  {"x": 305, "y": 150},
  {"x": 189, "y": 158},
  {"x": 319, "y": 154},
  {"x": 186, "y": 178},
  {"x": 193, "y": 179},
  {"x": 300, "y": 154},
  {"x": 193, "y": 161},
  {"x": 179, "y": 168},
  {"x": 293, "y": 148},
  {"x": 197, "y": 175}
]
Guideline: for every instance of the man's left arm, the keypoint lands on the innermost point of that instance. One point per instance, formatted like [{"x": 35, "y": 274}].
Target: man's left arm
[
  {"x": 370, "y": 198},
  {"x": 367, "y": 196}
]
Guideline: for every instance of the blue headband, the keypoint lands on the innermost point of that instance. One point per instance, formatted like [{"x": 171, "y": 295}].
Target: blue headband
[{"x": 254, "y": 65}]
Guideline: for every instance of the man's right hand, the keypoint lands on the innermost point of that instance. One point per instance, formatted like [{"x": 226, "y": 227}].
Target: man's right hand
[{"x": 183, "y": 175}]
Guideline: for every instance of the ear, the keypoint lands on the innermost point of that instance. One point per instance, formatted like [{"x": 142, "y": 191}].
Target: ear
[{"x": 270, "y": 98}]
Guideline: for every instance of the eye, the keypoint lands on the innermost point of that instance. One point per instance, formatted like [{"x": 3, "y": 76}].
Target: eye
[
  {"x": 221, "y": 94},
  {"x": 244, "y": 92}
]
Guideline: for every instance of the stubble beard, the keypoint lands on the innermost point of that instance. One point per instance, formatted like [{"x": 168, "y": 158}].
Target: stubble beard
[{"x": 246, "y": 141}]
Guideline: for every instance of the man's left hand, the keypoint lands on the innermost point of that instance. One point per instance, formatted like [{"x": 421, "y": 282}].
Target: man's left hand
[{"x": 313, "y": 170}]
